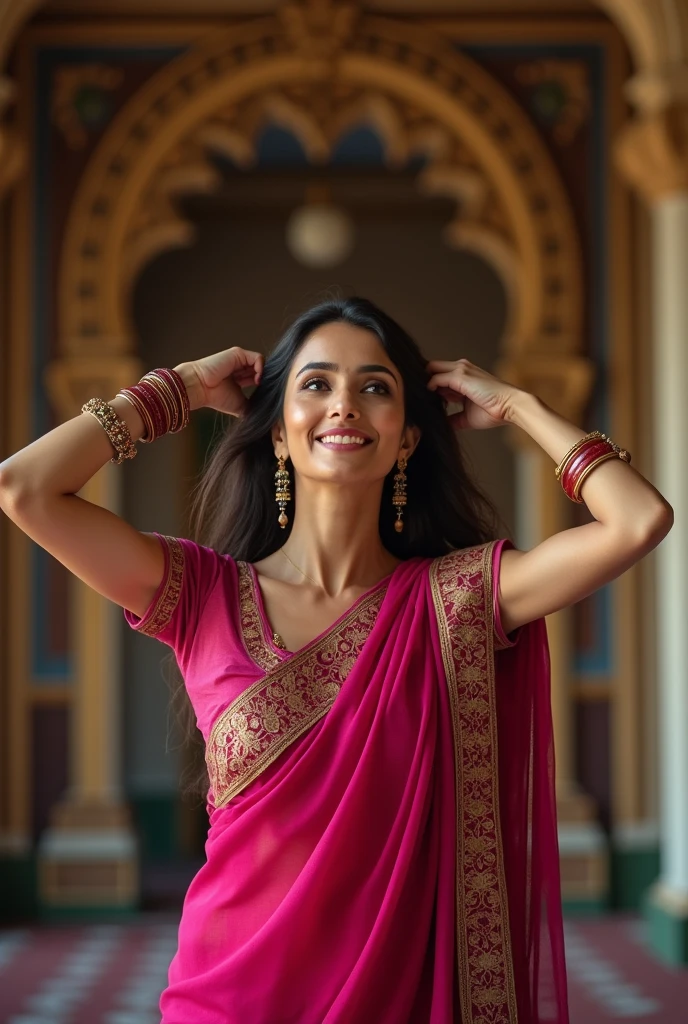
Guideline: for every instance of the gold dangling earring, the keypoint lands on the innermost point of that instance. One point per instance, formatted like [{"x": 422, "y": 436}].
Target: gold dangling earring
[
  {"x": 282, "y": 492},
  {"x": 399, "y": 496}
]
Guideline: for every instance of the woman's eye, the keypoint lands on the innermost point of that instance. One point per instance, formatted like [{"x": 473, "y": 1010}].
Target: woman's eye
[{"x": 308, "y": 385}]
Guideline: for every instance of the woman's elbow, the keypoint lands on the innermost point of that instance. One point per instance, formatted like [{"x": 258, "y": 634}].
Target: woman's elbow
[{"x": 652, "y": 531}]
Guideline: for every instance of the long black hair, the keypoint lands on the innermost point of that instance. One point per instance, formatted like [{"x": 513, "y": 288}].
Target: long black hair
[{"x": 234, "y": 510}]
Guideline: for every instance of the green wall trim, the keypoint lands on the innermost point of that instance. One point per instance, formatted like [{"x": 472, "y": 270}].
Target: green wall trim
[
  {"x": 667, "y": 933},
  {"x": 585, "y": 907},
  {"x": 156, "y": 819},
  {"x": 18, "y": 887},
  {"x": 88, "y": 915},
  {"x": 632, "y": 874}
]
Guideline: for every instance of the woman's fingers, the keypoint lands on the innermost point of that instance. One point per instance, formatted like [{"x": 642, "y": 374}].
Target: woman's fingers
[
  {"x": 437, "y": 365},
  {"x": 252, "y": 370},
  {"x": 442, "y": 381}
]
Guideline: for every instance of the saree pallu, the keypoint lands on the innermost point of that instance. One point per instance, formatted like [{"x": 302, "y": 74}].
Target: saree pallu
[{"x": 382, "y": 843}]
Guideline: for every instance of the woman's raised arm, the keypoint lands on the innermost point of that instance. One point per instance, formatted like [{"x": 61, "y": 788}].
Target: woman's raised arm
[
  {"x": 631, "y": 516},
  {"x": 38, "y": 492},
  {"x": 39, "y": 485}
]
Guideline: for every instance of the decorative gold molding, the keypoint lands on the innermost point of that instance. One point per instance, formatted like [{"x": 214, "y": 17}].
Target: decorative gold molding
[
  {"x": 652, "y": 153},
  {"x": 318, "y": 31},
  {"x": 69, "y": 82},
  {"x": 571, "y": 76},
  {"x": 13, "y": 16},
  {"x": 71, "y": 382},
  {"x": 420, "y": 95},
  {"x": 657, "y": 35}
]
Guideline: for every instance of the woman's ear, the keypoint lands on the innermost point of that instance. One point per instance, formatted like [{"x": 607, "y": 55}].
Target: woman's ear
[
  {"x": 409, "y": 441},
  {"x": 279, "y": 443}
]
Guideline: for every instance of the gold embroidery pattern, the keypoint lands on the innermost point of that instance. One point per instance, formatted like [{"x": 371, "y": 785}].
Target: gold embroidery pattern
[
  {"x": 171, "y": 590},
  {"x": 251, "y": 624},
  {"x": 462, "y": 594},
  {"x": 275, "y": 710}
]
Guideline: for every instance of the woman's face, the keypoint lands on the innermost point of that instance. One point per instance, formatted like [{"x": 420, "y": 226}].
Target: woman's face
[{"x": 342, "y": 384}]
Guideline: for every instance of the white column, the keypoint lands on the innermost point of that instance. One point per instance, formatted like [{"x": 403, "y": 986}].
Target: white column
[{"x": 670, "y": 344}]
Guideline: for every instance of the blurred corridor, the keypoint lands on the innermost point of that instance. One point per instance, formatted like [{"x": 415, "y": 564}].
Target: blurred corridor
[{"x": 113, "y": 973}]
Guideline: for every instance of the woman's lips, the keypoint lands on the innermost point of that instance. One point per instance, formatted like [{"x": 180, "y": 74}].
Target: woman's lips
[{"x": 352, "y": 446}]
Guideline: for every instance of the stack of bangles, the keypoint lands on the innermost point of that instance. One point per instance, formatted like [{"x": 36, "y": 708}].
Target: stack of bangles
[
  {"x": 162, "y": 402},
  {"x": 582, "y": 458}
]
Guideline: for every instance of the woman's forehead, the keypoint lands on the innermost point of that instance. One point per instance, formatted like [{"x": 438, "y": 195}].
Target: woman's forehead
[{"x": 343, "y": 344}]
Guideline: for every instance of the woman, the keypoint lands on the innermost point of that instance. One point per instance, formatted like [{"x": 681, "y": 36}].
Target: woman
[{"x": 367, "y": 665}]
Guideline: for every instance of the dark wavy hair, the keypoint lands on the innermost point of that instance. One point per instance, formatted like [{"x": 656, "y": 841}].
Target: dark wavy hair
[{"x": 233, "y": 508}]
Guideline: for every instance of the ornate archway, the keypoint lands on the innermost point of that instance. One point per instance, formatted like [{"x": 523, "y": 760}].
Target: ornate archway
[{"x": 320, "y": 69}]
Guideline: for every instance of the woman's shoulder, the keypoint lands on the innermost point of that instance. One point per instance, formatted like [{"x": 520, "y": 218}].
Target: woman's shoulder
[
  {"x": 185, "y": 549},
  {"x": 473, "y": 554},
  {"x": 191, "y": 568}
]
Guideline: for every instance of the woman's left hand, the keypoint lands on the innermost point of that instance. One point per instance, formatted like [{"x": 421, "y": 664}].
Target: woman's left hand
[{"x": 486, "y": 400}]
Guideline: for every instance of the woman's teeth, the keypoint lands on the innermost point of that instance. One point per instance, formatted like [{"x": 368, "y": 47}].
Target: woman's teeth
[{"x": 339, "y": 439}]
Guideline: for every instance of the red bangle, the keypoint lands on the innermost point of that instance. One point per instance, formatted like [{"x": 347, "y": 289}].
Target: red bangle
[
  {"x": 179, "y": 388},
  {"x": 162, "y": 401},
  {"x": 588, "y": 469},
  {"x": 581, "y": 459}
]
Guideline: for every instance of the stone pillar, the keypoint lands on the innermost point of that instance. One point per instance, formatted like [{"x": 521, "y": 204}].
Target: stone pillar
[
  {"x": 542, "y": 509},
  {"x": 87, "y": 857},
  {"x": 653, "y": 153}
]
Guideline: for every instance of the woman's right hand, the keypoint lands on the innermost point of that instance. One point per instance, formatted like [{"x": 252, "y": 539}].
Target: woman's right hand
[{"x": 216, "y": 382}]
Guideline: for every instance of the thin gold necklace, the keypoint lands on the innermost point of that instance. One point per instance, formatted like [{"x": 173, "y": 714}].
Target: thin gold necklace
[{"x": 300, "y": 570}]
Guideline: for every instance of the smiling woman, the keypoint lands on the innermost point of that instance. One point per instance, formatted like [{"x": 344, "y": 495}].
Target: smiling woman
[{"x": 369, "y": 670}]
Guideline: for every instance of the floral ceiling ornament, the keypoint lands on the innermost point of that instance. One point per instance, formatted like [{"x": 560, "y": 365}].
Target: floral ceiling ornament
[
  {"x": 319, "y": 30},
  {"x": 560, "y": 95},
  {"x": 81, "y": 101}
]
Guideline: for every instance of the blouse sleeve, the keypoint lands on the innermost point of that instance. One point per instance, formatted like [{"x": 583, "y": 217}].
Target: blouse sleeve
[
  {"x": 190, "y": 574},
  {"x": 501, "y": 640}
]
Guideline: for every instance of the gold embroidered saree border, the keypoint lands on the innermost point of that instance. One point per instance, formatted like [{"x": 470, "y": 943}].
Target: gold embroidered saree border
[
  {"x": 275, "y": 710},
  {"x": 251, "y": 625},
  {"x": 169, "y": 595},
  {"x": 461, "y": 584}
]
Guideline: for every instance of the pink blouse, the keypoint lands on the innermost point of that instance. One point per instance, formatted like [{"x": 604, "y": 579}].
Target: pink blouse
[{"x": 209, "y": 609}]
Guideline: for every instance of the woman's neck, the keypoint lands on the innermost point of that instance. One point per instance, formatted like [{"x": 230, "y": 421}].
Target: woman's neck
[{"x": 335, "y": 539}]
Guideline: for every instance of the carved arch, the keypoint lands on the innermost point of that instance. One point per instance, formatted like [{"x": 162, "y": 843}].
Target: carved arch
[{"x": 418, "y": 93}]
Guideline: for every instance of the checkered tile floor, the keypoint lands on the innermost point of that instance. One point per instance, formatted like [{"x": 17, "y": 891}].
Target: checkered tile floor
[{"x": 113, "y": 974}]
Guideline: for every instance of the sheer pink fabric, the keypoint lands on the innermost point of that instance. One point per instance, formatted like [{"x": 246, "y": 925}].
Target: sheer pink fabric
[{"x": 329, "y": 890}]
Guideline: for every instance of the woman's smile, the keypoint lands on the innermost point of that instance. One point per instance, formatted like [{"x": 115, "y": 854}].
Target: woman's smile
[{"x": 343, "y": 440}]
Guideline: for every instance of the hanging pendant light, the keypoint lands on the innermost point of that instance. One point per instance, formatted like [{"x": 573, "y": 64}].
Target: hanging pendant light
[{"x": 319, "y": 233}]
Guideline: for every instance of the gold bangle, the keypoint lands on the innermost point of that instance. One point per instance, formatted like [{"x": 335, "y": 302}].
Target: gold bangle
[
  {"x": 115, "y": 428},
  {"x": 587, "y": 470},
  {"x": 573, "y": 449},
  {"x": 135, "y": 403}
]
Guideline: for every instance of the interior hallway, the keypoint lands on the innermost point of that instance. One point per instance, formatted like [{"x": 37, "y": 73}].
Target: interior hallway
[{"x": 113, "y": 973}]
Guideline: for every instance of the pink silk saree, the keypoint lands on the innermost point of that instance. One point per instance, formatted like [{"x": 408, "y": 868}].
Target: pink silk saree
[{"x": 382, "y": 843}]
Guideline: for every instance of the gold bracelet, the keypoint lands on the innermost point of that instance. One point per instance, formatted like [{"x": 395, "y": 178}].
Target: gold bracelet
[
  {"x": 573, "y": 449},
  {"x": 115, "y": 428},
  {"x": 621, "y": 452},
  {"x": 587, "y": 471}
]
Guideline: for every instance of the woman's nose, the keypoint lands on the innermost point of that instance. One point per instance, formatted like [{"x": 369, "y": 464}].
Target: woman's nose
[{"x": 344, "y": 404}]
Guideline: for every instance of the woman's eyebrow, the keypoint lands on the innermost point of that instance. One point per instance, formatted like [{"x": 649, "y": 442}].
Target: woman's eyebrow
[{"x": 368, "y": 368}]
